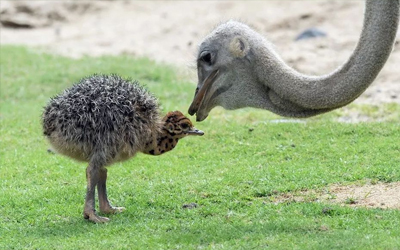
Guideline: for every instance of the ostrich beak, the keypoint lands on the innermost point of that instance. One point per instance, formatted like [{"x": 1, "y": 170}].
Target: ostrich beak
[
  {"x": 195, "y": 131},
  {"x": 201, "y": 93}
]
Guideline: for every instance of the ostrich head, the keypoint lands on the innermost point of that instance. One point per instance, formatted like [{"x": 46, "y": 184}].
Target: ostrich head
[
  {"x": 178, "y": 126},
  {"x": 224, "y": 66}
]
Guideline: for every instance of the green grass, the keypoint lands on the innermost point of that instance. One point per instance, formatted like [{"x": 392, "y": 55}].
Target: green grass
[{"x": 232, "y": 173}]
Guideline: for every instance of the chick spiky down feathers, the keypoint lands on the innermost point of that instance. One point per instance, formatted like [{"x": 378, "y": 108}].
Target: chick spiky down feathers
[{"x": 102, "y": 114}]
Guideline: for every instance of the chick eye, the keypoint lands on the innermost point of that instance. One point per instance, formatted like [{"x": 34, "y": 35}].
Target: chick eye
[{"x": 184, "y": 125}]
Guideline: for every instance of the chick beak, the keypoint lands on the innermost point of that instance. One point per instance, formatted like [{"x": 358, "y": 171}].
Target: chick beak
[{"x": 195, "y": 131}]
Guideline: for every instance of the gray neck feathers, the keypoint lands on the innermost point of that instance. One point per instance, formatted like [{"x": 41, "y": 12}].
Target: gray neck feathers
[{"x": 290, "y": 91}]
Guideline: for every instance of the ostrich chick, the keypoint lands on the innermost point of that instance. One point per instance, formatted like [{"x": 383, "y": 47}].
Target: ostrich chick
[{"x": 105, "y": 119}]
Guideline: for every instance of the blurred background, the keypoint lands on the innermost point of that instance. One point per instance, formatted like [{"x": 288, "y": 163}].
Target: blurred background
[{"x": 314, "y": 37}]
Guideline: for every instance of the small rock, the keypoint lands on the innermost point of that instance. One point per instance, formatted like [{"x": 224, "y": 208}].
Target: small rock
[
  {"x": 324, "y": 228},
  {"x": 190, "y": 205},
  {"x": 310, "y": 33},
  {"x": 327, "y": 210},
  {"x": 305, "y": 16}
]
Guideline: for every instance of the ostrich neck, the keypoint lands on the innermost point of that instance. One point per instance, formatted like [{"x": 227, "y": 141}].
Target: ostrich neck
[
  {"x": 317, "y": 94},
  {"x": 160, "y": 143}
]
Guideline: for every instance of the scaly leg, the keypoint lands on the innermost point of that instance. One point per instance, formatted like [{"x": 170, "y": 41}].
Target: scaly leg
[
  {"x": 92, "y": 178},
  {"x": 104, "y": 203}
]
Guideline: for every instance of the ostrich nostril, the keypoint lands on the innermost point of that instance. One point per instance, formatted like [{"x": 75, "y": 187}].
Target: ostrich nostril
[{"x": 197, "y": 90}]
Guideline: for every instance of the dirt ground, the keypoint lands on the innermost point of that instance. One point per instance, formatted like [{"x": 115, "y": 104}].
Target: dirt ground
[
  {"x": 378, "y": 195},
  {"x": 170, "y": 31}
]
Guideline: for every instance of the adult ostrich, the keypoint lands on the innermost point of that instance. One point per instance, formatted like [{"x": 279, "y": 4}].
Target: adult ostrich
[{"x": 238, "y": 68}]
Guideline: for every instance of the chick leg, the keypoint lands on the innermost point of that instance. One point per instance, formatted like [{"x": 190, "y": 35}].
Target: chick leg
[
  {"x": 92, "y": 178},
  {"x": 104, "y": 203}
]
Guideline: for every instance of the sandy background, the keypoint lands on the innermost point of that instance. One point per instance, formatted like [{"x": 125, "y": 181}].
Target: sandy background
[{"x": 169, "y": 31}]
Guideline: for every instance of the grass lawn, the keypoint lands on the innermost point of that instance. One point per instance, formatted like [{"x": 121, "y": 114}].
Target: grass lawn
[{"x": 232, "y": 173}]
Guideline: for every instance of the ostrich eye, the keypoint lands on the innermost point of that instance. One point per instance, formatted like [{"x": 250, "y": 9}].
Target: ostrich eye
[
  {"x": 185, "y": 125},
  {"x": 206, "y": 57}
]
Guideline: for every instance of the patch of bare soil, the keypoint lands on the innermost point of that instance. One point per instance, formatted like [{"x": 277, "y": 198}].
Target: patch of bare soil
[
  {"x": 380, "y": 195},
  {"x": 37, "y": 14}
]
